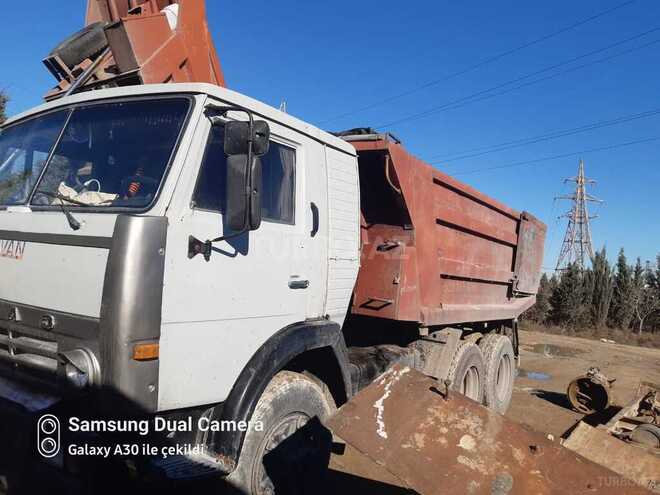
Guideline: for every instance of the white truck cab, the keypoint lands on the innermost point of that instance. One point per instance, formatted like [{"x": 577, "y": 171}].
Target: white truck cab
[
  {"x": 107, "y": 199},
  {"x": 183, "y": 253}
]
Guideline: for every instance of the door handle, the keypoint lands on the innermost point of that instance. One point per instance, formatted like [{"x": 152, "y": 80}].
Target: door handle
[
  {"x": 298, "y": 284},
  {"x": 315, "y": 219}
]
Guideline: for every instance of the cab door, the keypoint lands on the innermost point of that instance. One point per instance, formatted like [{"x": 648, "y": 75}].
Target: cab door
[{"x": 219, "y": 312}]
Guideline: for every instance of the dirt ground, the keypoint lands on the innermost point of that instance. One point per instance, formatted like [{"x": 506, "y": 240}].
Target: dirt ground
[{"x": 548, "y": 364}]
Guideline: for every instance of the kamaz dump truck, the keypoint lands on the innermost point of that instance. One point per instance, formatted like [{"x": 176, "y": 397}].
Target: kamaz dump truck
[{"x": 180, "y": 260}]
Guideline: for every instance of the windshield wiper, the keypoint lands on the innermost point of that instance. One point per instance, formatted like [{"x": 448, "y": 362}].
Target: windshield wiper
[
  {"x": 73, "y": 223},
  {"x": 63, "y": 198}
]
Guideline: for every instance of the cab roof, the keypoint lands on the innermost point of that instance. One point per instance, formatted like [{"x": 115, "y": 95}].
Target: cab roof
[{"x": 223, "y": 94}]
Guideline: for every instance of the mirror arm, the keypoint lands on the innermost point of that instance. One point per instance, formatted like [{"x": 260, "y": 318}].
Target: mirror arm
[
  {"x": 222, "y": 111},
  {"x": 195, "y": 246}
]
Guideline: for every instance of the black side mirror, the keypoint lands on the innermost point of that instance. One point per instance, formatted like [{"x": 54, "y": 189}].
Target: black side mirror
[
  {"x": 237, "y": 192},
  {"x": 237, "y": 138},
  {"x": 255, "y": 194},
  {"x": 243, "y": 193},
  {"x": 244, "y": 181},
  {"x": 244, "y": 143}
]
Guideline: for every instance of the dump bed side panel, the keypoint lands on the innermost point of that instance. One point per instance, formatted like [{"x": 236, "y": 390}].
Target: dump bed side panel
[
  {"x": 475, "y": 244},
  {"x": 475, "y": 258},
  {"x": 466, "y": 242}
]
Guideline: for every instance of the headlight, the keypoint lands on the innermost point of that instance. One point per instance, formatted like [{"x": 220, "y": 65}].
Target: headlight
[{"x": 81, "y": 368}]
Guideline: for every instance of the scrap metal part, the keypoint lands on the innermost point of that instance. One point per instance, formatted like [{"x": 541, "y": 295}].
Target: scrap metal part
[
  {"x": 621, "y": 457},
  {"x": 639, "y": 421},
  {"x": 629, "y": 443},
  {"x": 403, "y": 423},
  {"x": 144, "y": 42},
  {"x": 590, "y": 393}
]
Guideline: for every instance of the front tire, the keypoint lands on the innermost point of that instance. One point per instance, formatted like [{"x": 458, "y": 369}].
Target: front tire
[
  {"x": 500, "y": 371},
  {"x": 289, "y": 402}
]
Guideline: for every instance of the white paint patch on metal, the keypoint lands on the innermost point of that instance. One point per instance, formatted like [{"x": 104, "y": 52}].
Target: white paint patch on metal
[{"x": 388, "y": 379}]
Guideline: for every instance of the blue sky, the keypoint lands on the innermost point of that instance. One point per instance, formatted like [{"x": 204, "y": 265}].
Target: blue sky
[{"x": 329, "y": 59}]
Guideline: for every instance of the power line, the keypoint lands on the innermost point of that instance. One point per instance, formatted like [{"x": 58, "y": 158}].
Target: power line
[
  {"x": 473, "y": 97},
  {"x": 477, "y": 65},
  {"x": 553, "y": 76},
  {"x": 484, "y": 150},
  {"x": 553, "y": 221},
  {"x": 556, "y": 157}
]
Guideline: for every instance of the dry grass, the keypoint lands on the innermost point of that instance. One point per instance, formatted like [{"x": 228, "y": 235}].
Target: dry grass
[{"x": 631, "y": 337}]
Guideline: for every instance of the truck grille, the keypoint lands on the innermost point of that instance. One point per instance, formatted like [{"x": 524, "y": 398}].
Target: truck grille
[{"x": 23, "y": 346}]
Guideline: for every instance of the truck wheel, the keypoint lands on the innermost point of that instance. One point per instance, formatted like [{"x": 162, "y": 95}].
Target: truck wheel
[
  {"x": 289, "y": 402},
  {"x": 500, "y": 371},
  {"x": 84, "y": 44},
  {"x": 467, "y": 372}
]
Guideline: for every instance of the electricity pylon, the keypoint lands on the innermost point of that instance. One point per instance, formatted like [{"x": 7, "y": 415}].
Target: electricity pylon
[{"x": 577, "y": 247}]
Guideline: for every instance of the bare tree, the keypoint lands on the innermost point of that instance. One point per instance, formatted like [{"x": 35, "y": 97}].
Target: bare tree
[
  {"x": 3, "y": 106},
  {"x": 646, "y": 299}
]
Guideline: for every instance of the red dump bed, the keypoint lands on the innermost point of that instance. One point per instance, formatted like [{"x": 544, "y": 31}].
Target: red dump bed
[{"x": 437, "y": 251}]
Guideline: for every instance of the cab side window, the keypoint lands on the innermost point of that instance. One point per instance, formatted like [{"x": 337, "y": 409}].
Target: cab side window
[
  {"x": 212, "y": 179},
  {"x": 278, "y": 189},
  {"x": 278, "y": 196}
]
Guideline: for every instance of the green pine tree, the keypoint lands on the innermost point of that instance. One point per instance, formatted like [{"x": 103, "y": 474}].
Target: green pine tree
[
  {"x": 539, "y": 312},
  {"x": 602, "y": 288},
  {"x": 567, "y": 300},
  {"x": 622, "y": 299}
]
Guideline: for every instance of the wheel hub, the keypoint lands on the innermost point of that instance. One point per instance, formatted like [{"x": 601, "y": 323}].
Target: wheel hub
[{"x": 282, "y": 430}]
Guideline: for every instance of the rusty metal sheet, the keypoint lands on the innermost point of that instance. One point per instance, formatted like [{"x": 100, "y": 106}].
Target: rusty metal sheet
[
  {"x": 185, "y": 54},
  {"x": 436, "y": 444}
]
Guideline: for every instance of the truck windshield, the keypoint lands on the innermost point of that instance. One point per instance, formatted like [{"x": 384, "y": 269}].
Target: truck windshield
[{"x": 102, "y": 155}]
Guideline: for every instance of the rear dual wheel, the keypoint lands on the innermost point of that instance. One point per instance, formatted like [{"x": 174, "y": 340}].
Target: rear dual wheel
[
  {"x": 485, "y": 373},
  {"x": 500, "y": 367},
  {"x": 467, "y": 372}
]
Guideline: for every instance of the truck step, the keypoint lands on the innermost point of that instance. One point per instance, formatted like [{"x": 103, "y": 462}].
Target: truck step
[{"x": 186, "y": 467}]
